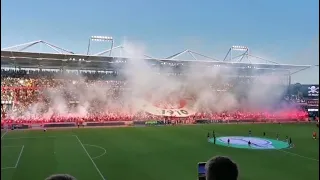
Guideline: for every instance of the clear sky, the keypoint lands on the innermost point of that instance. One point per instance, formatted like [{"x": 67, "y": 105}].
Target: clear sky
[{"x": 286, "y": 31}]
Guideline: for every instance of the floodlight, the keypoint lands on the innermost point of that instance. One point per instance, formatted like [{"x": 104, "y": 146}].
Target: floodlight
[
  {"x": 100, "y": 38},
  {"x": 240, "y": 48}
]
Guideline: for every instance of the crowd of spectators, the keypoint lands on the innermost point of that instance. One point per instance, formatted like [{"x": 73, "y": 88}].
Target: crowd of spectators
[{"x": 21, "y": 90}]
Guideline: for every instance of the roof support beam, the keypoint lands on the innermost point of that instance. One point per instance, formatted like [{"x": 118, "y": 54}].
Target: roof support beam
[
  {"x": 122, "y": 48},
  {"x": 106, "y": 51},
  {"x": 295, "y": 72},
  {"x": 28, "y": 46},
  {"x": 192, "y": 55},
  {"x": 25, "y": 46},
  {"x": 226, "y": 55},
  {"x": 193, "y": 52},
  {"x": 53, "y": 48},
  {"x": 245, "y": 54},
  {"x": 266, "y": 60},
  {"x": 177, "y": 54},
  {"x": 19, "y": 45},
  {"x": 64, "y": 50}
]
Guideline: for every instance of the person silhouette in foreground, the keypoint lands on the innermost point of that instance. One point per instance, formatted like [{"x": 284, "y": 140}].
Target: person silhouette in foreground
[
  {"x": 60, "y": 177},
  {"x": 221, "y": 168}
]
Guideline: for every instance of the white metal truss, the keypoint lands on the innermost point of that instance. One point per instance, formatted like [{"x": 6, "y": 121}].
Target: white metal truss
[
  {"x": 122, "y": 50},
  {"x": 237, "y": 58},
  {"x": 193, "y": 54},
  {"x": 245, "y": 56},
  {"x": 267, "y": 61},
  {"x": 24, "y": 46}
]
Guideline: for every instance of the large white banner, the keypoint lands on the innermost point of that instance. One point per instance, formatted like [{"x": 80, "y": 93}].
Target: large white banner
[{"x": 181, "y": 110}]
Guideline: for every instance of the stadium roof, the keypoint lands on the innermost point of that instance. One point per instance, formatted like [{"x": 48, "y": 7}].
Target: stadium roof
[{"x": 15, "y": 56}]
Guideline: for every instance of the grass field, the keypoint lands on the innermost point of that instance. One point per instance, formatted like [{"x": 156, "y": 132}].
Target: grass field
[{"x": 153, "y": 153}]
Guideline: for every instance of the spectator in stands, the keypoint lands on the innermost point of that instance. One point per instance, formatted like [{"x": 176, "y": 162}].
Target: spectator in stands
[
  {"x": 61, "y": 177},
  {"x": 25, "y": 97},
  {"x": 221, "y": 168}
]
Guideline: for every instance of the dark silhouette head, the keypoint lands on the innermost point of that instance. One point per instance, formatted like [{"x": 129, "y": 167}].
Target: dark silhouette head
[
  {"x": 61, "y": 177},
  {"x": 221, "y": 168}
]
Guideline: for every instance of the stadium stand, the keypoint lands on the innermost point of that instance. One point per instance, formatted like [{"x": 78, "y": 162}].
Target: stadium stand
[
  {"x": 68, "y": 89},
  {"x": 21, "y": 90}
]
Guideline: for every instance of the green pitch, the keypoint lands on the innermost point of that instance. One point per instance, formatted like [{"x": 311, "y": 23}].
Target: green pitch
[{"x": 157, "y": 153}]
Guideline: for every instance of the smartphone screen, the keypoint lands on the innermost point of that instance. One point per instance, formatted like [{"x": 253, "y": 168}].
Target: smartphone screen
[{"x": 201, "y": 171}]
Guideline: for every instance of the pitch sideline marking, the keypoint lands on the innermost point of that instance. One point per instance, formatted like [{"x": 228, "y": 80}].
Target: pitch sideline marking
[
  {"x": 36, "y": 137},
  {"x": 298, "y": 155},
  {"x": 19, "y": 157},
  {"x": 105, "y": 151},
  {"x": 291, "y": 153},
  {"x": 94, "y": 164},
  {"x": 10, "y": 146},
  {"x": 18, "y": 160},
  {"x": 4, "y": 134}
]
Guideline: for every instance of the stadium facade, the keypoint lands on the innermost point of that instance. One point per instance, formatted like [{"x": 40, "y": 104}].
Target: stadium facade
[{"x": 16, "y": 57}]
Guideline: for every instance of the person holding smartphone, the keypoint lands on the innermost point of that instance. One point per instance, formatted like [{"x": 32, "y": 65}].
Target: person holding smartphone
[{"x": 220, "y": 168}]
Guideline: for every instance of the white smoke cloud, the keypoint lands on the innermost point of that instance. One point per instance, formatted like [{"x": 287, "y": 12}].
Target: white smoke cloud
[{"x": 147, "y": 82}]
